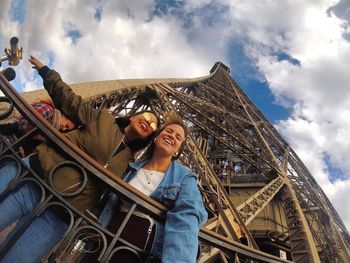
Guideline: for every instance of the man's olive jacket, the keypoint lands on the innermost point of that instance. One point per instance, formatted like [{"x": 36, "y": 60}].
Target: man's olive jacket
[{"x": 98, "y": 135}]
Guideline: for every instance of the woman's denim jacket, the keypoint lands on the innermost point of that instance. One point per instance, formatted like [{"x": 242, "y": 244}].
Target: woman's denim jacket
[{"x": 177, "y": 239}]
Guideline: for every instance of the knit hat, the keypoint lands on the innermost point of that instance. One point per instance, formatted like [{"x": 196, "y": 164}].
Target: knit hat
[{"x": 56, "y": 119}]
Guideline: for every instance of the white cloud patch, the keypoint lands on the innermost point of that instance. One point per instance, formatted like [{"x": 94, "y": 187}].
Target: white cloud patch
[
  {"x": 126, "y": 42},
  {"x": 123, "y": 39}
]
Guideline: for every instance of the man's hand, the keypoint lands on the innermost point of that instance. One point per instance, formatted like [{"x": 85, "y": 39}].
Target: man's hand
[{"x": 37, "y": 64}]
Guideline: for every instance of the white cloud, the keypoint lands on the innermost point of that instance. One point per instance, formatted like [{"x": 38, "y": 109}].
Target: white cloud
[{"x": 125, "y": 43}]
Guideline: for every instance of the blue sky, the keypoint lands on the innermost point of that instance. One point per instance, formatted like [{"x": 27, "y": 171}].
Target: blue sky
[{"x": 292, "y": 58}]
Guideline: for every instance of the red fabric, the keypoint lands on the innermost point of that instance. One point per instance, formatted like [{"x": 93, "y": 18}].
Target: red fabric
[{"x": 44, "y": 110}]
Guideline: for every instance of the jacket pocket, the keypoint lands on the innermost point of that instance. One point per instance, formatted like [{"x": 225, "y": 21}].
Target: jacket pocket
[{"x": 170, "y": 193}]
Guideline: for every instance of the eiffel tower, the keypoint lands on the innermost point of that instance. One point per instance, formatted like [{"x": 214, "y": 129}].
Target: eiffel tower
[{"x": 263, "y": 203}]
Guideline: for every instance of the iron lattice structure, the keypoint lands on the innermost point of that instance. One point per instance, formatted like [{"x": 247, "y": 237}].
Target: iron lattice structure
[{"x": 263, "y": 203}]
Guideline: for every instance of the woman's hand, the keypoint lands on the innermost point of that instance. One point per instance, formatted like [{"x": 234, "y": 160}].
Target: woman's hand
[{"x": 37, "y": 64}]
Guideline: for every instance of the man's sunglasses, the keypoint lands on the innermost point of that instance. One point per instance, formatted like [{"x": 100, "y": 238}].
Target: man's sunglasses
[{"x": 147, "y": 116}]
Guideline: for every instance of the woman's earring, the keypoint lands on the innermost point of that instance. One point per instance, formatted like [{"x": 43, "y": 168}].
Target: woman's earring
[
  {"x": 176, "y": 154},
  {"x": 155, "y": 139}
]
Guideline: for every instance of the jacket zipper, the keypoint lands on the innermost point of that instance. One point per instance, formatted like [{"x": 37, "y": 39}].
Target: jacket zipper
[
  {"x": 116, "y": 148},
  {"x": 149, "y": 231}
]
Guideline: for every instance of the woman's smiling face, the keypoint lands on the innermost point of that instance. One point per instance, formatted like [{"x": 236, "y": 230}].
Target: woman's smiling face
[{"x": 170, "y": 139}]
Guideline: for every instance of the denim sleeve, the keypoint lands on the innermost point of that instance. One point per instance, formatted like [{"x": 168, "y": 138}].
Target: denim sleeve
[{"x": 183, "y": 222}]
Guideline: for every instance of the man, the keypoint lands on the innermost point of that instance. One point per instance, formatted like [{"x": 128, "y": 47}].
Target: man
[{"x": 21, "y": 126}]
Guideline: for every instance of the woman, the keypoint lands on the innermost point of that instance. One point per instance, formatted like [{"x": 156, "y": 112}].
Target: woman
[
  {"x": 163, "y": 178},
  {"x": 110, "y": 142}
]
